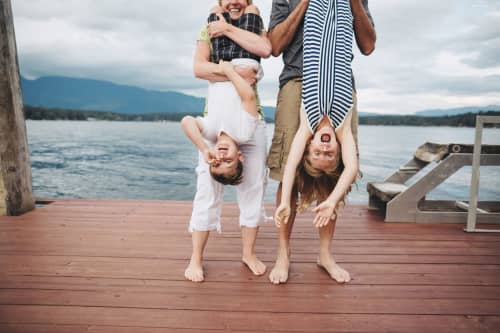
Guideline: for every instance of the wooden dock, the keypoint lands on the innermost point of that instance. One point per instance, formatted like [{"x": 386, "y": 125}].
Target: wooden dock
[{"x": 117, "y": 266}]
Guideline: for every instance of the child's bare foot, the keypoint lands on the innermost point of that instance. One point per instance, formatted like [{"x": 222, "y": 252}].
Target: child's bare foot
[
  {"x": 194, "y": 272},
  {"x": 335, "y": 271},
  {"x": 279, "y": 273},
  {"x": 254, "y": 264}
]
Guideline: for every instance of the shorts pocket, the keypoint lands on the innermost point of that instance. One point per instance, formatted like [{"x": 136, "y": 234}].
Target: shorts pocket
[{"x": 275, "y": 156}]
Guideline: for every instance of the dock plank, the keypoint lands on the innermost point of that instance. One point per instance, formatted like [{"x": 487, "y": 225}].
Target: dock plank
[{"x": 117, "y": 266}]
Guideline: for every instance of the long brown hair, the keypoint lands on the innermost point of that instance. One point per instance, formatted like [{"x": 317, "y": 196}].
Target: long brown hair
[{"x": 315, "y": 185}]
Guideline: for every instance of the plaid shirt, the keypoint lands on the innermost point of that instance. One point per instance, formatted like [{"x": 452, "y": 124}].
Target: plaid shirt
[{"x": 224, "y": 48}]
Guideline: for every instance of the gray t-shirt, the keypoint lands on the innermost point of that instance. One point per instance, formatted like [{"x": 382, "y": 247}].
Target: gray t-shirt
[{"x": 293, "y": 53}]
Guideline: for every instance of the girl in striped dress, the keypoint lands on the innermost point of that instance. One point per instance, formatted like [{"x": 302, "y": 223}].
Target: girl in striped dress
[{"x": 322, "y": 163}]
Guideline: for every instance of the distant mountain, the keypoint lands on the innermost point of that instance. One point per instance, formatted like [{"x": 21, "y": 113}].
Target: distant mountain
[
  {"x": 456, "y": 111},
  {"x": 85, "y": 94}
]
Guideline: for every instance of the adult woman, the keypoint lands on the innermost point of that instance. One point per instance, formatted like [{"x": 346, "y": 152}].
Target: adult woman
[{"x": 208, "y": 200}]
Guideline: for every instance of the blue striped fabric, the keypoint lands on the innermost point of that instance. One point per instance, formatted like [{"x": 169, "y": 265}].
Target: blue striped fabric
[{"x": 327, "y": 86}]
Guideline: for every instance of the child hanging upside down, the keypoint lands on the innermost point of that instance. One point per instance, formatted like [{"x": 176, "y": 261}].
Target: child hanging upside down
[{"x": 322, "y": 163}]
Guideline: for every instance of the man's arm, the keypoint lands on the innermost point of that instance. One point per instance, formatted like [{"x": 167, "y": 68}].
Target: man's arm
[
  {"x": 363, "y": 28},
  {"x": 282, "y": 34}
]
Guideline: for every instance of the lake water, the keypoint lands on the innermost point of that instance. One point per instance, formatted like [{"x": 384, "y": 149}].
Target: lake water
[{"x": 146, "y": 160}]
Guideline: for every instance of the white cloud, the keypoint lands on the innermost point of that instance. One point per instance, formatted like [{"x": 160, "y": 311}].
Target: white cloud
[{"x": 430, "y": 54}]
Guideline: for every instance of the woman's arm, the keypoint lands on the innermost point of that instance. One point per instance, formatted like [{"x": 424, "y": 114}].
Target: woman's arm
[
  {"x": 253, "y": 43},
  {"x": 206, "y": 70},
  {"x": 326, "y": 209}
]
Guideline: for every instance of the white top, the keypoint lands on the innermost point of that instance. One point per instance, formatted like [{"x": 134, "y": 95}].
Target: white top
[{"x": 225, "y": 112}]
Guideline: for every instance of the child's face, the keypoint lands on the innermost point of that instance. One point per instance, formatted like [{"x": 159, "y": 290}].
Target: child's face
[
  {"x": 324, "y": 149},
  {"x": 228, "y": 155},
  {"x": 235, "y": 8}
]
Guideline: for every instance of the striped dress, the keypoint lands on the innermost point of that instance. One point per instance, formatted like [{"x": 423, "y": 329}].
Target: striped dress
[{"x": 327, "y": 86}]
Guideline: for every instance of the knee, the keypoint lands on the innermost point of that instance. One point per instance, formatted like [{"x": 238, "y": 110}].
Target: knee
[{"x": 251, "y": 9}]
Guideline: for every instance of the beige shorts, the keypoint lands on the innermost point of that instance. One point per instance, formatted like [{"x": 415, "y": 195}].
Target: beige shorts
[{"x": 286, "y": 123}]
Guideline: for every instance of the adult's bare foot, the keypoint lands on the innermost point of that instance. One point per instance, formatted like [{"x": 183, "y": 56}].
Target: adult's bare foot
[
  {"x": 279, "y": 273},
  {"x": 335, "y": 271},
  {"x": 253, "y": 263},
  {"x": 194, "y": 272}
]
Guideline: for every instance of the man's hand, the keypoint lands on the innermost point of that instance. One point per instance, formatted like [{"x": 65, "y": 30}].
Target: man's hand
[
  {"x": 248, "y": 73},
  {"x": 324, "y": 213},
  {"x": 282, "y": 214},
  {"x": 217, "y": 28}
]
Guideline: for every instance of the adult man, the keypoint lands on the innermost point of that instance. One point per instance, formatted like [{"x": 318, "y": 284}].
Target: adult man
[{"x": 286, "y": 36}]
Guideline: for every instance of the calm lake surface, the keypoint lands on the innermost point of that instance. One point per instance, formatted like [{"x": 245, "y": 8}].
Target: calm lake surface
[{"x": 146, "y": 160}]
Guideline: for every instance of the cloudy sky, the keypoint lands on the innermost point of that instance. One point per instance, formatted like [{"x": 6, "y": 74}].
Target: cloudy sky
[{"x": 429, "y": 53}]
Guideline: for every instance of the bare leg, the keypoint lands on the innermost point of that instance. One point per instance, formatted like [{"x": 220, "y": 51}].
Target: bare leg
[
  {"x": 279, "y": 273},
  {"x": 248, "y": 237},
  {"x": 194, "y": 271},
  {"x": 325, "y": 259}
]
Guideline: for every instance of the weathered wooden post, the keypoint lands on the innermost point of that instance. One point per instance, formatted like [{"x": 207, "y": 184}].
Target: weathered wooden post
[{"x": 16, "y": 195}]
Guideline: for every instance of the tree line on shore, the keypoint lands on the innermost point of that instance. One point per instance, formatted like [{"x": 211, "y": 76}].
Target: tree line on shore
[{"x": 41, "y": 113}]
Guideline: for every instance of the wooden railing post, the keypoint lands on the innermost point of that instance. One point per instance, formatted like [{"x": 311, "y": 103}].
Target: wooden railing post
[{"x": 16, "y": 195}]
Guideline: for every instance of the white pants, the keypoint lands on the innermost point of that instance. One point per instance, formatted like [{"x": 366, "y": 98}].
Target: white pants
[{"x": 208, "y": 200}]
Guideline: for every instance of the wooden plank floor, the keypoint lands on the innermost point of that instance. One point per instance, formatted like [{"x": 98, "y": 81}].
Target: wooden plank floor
[{"x": 117, "y": 266}]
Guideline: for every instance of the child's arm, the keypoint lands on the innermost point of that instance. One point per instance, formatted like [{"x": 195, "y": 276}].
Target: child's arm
[
  {"x": 294, "y": 158},
  {"x": 326, "y": 209},
  {"x": 244, "y": 89},
  {"x": 192, "y": 128}
]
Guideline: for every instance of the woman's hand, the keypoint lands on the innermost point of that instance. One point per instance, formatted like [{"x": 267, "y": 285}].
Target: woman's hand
[
  {"x": 324, "y": 213},
  {"x": 218, "y": 28},
  {"x": 282, "y": 214}
]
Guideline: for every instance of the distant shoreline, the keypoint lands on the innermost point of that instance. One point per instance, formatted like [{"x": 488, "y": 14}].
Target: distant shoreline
[{"x": 40, "y": 113}]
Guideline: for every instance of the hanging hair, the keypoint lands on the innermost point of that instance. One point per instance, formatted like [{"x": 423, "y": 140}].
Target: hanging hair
[
  {"x": 234, "y": 179},
  {"x": 315, "y": 185}
]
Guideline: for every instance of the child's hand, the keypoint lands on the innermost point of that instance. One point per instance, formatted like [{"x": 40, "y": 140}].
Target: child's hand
[
  {"x": 210, "y": 156},
  {"x": 324, "y": 213},
  {"x": 282, "y": 214},
  {"x": 225, "y": 66},
  {"x": 217, "y": 28}
]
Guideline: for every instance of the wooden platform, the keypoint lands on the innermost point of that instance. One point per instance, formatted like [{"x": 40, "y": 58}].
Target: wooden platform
[{"x": 117, "y": 266}]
